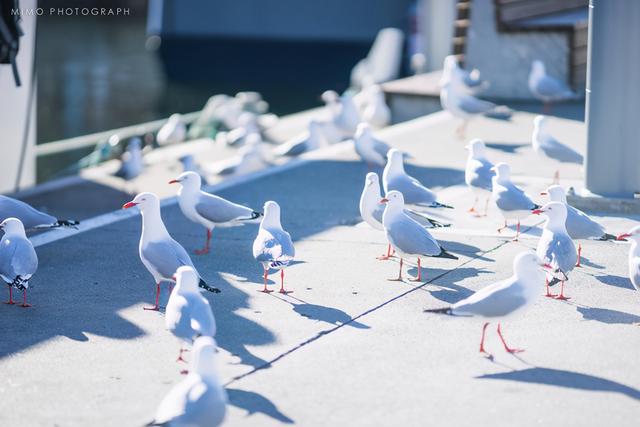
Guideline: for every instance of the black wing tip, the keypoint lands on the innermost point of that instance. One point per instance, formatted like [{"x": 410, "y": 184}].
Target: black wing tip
[
  {"x": 442, "y": 205},
  {"x": 608, "y": 236},
  {"x": 66, "y": 223},
  {"x": 536, "y": 206},
  {"x": 446, "y": 310},
  {"x": 445, "y": 254},
  {"x": 206, "y": 287},
  {"x": 554, "y": 281},
  {"x": 255, "y": 214}
]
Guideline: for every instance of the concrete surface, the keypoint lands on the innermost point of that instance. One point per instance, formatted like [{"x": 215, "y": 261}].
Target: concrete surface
[{"x": 347, "y": 347}]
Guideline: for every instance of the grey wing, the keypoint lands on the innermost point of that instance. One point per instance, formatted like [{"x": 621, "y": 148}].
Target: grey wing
[
  {"x": 581, "y": 226},
  {"x": 412, "y": 190},
  {"x": 481, "y": 176},
  {"x": 273, "y": 245},
  {"x": 513, "y": 199},
  {"x": 561, "y": 252},
  {"x": 377, "y": 213},
  {"x": 472, "y": 105},
  {"x": 552, "y": 88},
  {"x": 166, "y": 256},
  {"x": 17, "y": 258},
  {"x": 495, "y": 300},
  {"x": 218, "y": 210},
  {"x": 202, "y": 320},
  {"x": 178, "y": 318},
  {"x": 29, "y": 215},
  {"x": 411, "y": 238},
  {"x": 381, "y": 148},
  {"x": 562, "y": 152}
]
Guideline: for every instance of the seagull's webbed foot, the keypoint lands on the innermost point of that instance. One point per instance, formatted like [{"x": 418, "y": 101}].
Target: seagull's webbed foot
[
  {"x": 285, "y": 291},
  {"x": 202, "y": 251}
]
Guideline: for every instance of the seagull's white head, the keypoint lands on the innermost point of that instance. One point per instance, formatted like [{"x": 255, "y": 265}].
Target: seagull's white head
[
  {"x": 271, "y": 215},
  {"x": 537, "y": 67},
  {"x": 330, "y": 96},
  {"x": 175, "y": 118},
  {"x": 539, "y": 122},
  {"x": 476, "y": 148},
  {"x": 394, "y": 200},
  {"x": 556, "y": 214},
  {"x": 503, "y": 171},
  {"x": 203, "y": 361},
  {"x": 12, "y": 227},
  {"x": 556, "y": 194},
  {"x": 528, "y": 265},
  {"x": 450, "y": 63},
  {"x": 362, "y": 129},
  {"x": 144, "y": 201},
  {"x": 189, "y": 180},
  {"x": 633, "y": 234},
  {"x": 187, "y": 280},
  {"x": 371, "y": 179},
  {"x": 395, "y": 160}
]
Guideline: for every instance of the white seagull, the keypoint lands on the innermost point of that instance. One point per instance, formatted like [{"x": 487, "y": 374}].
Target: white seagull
[
  {"x": 546, "y": 88},
  {"x": 512, "y": 202},
  {"x": 394, "y": 177},
  {"x": 18, "y": 259},
  {"x": 207, "y": 209},
  {"x": 173, "y": 131},
  {"x": 251, "y": 157},
  {"x": 371, "y": 209},
  {"x": 376, "y": 112},
  {"x": 308, "y": 141},
  {"x": 132, "y": 164},
  {"x": 478, "y": 173},
  {"x": 504, "y": 299},
  {"x": 555, "y": 246},
  {"x": 370, "y": 149},
  {"x": 634, "y": 255},
  {"x": 461, "y": 105},
  {"x": 200, "y": 399},
  {"x": 188, "y": 314},
  {"x": 546, "y": 145},
  {"x": 159, "y": 253},
  {"x": 273, "y": 247},
  {"x": 343, "y": 113},
  {"x": 30, "y": 216},
  {"x": 407, "y": 236},
  {"x": 579, "y": 224},
  {"x": 469, "y": 81}
]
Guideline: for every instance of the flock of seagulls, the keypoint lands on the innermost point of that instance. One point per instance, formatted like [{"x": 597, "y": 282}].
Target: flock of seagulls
[{"x": 393, "y": 203}]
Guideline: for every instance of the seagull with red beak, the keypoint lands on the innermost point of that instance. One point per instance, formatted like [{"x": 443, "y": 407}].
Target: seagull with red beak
[
  {"x": 555, "y": 247},
  {"x": 407, "y": 236},
  {"x": 634, "y": 255},
  {"x": 504, "y": 299},
  {"x": 159, "y": 253},
  {"x": 207, "y": 209}
]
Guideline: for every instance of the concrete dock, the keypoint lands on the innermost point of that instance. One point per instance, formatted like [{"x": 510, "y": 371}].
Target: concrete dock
[{"x": 347, "y": 347}]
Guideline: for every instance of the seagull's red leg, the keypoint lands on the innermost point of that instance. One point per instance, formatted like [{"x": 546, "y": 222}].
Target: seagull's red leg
[
  {"x": 579, "y": 254},
  {"x": 486, "y": 206},
  {"x": 561, "y": 296},
  {"x": 157, "y": 306},
  {"x": 282, "y": 290},
  {"x": 24, "y": 299},
  {"x": 10, "y": 302},
  {"x": 484, "y": 331},
  {"x": 517, "y": 232},
  {"x": 387, "y": 256},
  {"x": 504, "y": 343},
  {"x": 472, "y": 209},
  {"x": 548, "y": 294},
  {"x": 503, "y": 227},
  {"x": 265, "y": 290},
  {"x": 556, "y": 177},
  {"x": 419, "y": 277},
  {"x": 205, "y": 250},
  {"x": 399, "y": 278}
]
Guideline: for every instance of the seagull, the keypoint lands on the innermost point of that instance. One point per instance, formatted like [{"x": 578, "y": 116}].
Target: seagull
[
  {"x": 343, "y": 112},
  {"x": 160, "y": 254},
  {"x": 188, "y": 314},
  {"x": 463, "y": 106},
  {"x": 504, "y": 299},
  {"x": 18, "y": 259},
  {"x": 207, "y": 209},
  {"x": 579, "y": 224},
  {"x": 173, "y": 131},
  {"x": 132, "y": 164},
  {"x": 634, "y": 255},
  {"x": 395, "y": 178},
  {"x": 546, "y": 88},
  {"x": 273, "y": 247},
  {"x": 371, "y": 210},
  {"x": 407, "y": 236},
  {"x": 546, "y": 145},
  {"x": 29, "y": 216},
  {"x": 303, "y": 143},
  {"x": 468, "y": 81},
  {"x": 200, "y": 399},
  {"x": 511, "y": 200},
  {"x": 247, "y": 126},
  {"x": 376, "y": 112},
  {"x": 478, "y": 173},
  {"x": 555, "y": 246},
  {"x": 370, "y": 149},
  {"x": 251, "y": 158}
]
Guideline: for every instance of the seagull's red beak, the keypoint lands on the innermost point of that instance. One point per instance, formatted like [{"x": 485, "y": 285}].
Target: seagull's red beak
[
  {"x": 128, "y": 205},
  {"x": 384, "y": 200},
  {"x": 174, "y": 181},
  {"x": 547, "y": 266},
  {"x": 537, "y": 211},
  {"x": 623, "y": 236},
  {"x": 543, "y": 193}
]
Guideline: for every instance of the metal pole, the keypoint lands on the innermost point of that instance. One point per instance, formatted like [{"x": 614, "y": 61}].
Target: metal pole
[{"x": 612, "y": 166}]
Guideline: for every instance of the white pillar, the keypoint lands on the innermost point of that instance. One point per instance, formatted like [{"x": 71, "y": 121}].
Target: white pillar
[{"x": 436, "y": 21}]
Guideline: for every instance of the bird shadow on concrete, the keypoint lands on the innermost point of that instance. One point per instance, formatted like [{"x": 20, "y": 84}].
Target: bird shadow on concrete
[
  {"x": 605, "y": 315},
  {"x": 446, "y": 287},
  {"x": 505, "y": 147},
  {"x": 586, "y": 262},
  {"x": 567, "y": 379},
  {"x": 617, "y": 281},
  {"x": 255, "y": 403},
  {"x": 331, "y": 315},
  {"x": 465, "y": 249}
]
